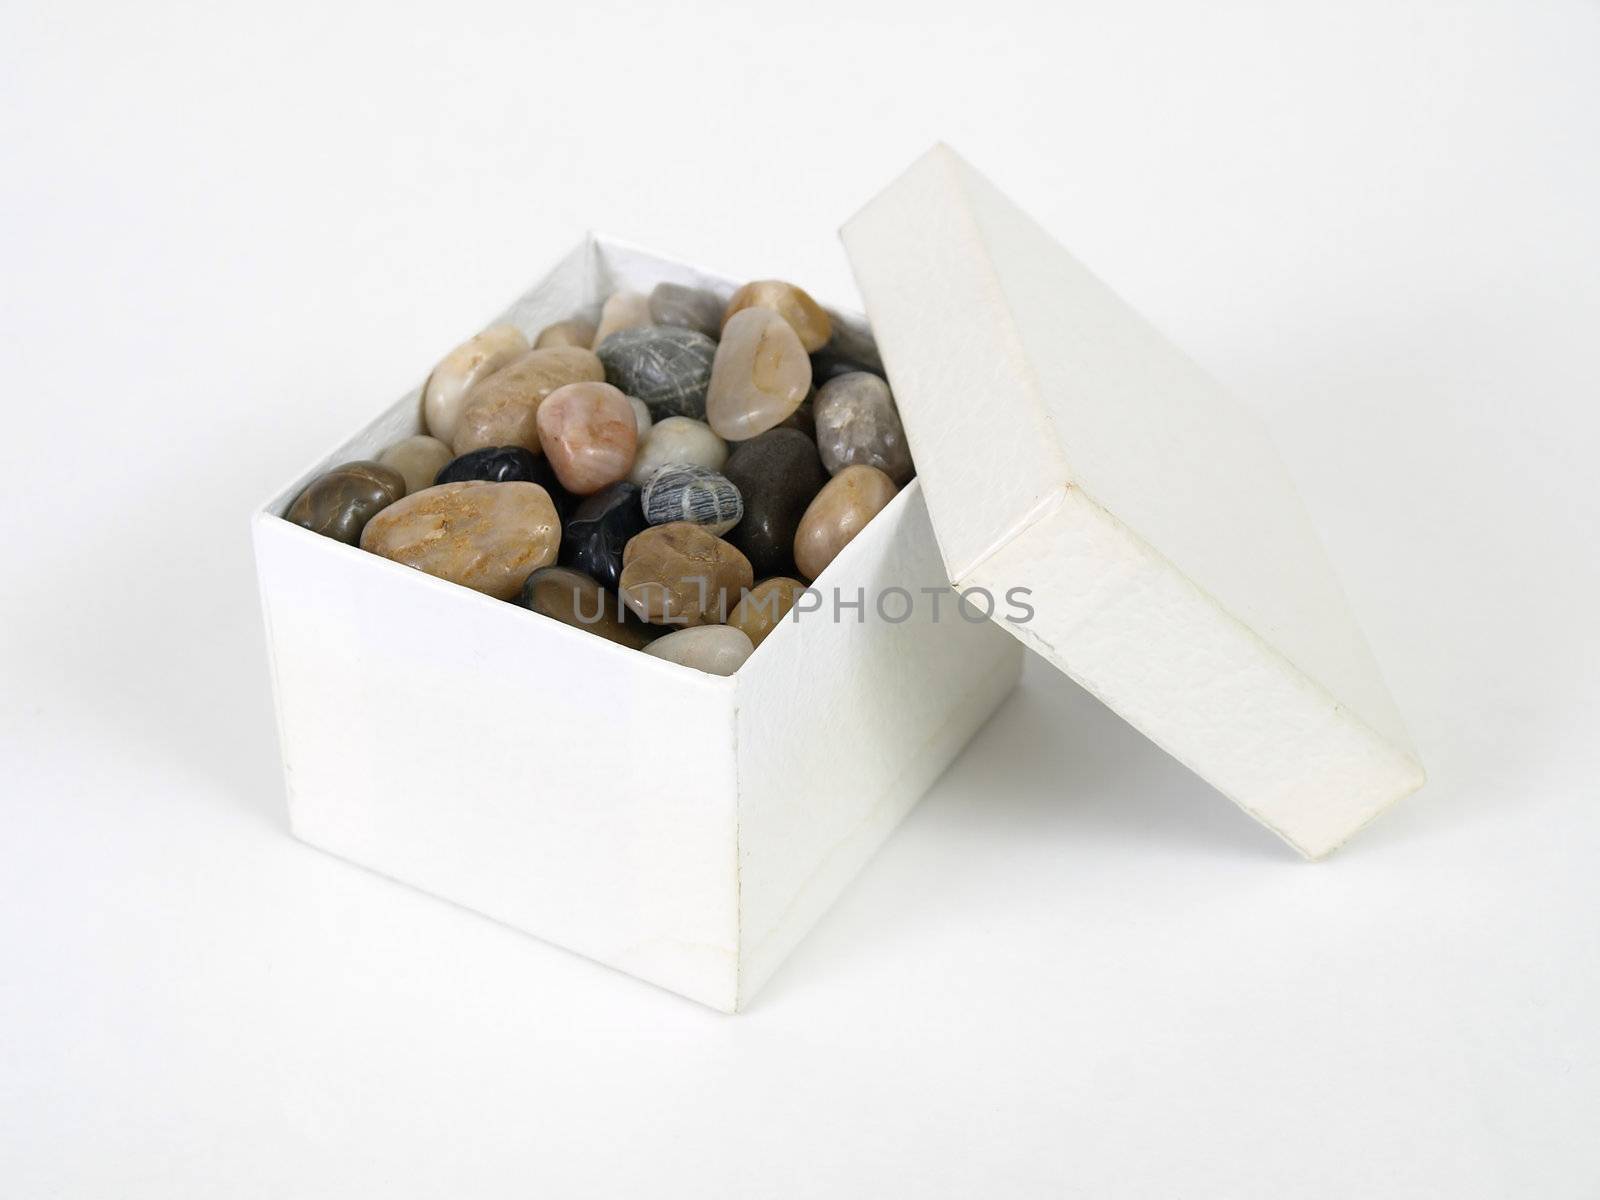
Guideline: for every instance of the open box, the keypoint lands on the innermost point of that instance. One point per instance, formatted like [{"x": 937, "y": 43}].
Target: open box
[
  {"x": 685, "y": 828},
  {"x": 689, "y": 829}
]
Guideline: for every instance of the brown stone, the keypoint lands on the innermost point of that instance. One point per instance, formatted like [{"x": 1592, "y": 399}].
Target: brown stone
[
  {"x": 339, "y": 503},
  {"x": 575, "y": 599},
  {"x": 765, "y": 606},
  {"x": 574, "y": 331},
  {"x": 485, "y": 536},
  {"x": 679, "y": 574},
  {"x": 804, "y": 315},
  {"x": 503, "y": 410},
  {"x": 840, "y": 511},
  {"x": 461, "y": 370}
]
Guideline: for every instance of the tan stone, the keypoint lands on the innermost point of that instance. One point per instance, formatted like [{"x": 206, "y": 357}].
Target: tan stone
[
  {"x": 462, "y": 369},
  {"x": 679, "y": 574},
  {"x": 486, "y": 536},
  {"x": 589, "y": 434},
  {"x": 840, "y": 511},
  {"x": 575, "y": 599},
  {"x": 623, "y": 310},
  {"x": 418, "y": 459},
  {"x": 574, "y": 331},
  {"x": 804, "y": 315},
  {"x": 759, "y": 378},
  {"x": 503, "y": 410},
  {"x": 765, "y": 606}
]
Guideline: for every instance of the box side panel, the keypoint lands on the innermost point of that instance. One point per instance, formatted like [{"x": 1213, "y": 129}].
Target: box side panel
[
  {"x": 843, "y": 724},
  {"x": 1176, "y": 665},
  {"x": 571, "y": 788}
]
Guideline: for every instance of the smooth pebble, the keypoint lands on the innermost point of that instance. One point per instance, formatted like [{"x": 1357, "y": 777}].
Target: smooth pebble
[
  {"x": 418, "y": 459},
  {"x": 666, "y": 367},
  {"x": 468, "y": 364},
  {"x": 641, "y": 416},
  {"x": 778, "y": 474},
  {"x": 589, "y": 435},
  {"x": 573, "y": 598},
  {"x": 857, "y": 422},
  {"x": 687, "y": 307},
  {"x": 574, "y": 331},
  {"x": 339, "y": 503},
  {"x": 840, "y": 511},
  {"x": 760, "y": 376},
  {"x": 679, "y": 574},
  {"x": 764, "y": 606},
  {"x": 678, "y": 440},
  {"x": 622, "y": 310},
  {"x": 507, "y": 464},
  {"x": 485, "y": 536},
  {"x": 714, "y": 649},
  {"x": 599, "y": 529},
  {"x": 803, "y": 314},
  {"x": 503, "y": 410},
  {"x": 682, "y": 492}
]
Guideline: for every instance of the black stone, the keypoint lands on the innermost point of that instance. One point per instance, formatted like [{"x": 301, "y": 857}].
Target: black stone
[
  {"x": 594, "y": 536},
  {"x": 666, "y": 366},
  {"x": 508, "y": 464},
  {"x": 828, "y": 363},
  {"x": 778, "y": 473}
]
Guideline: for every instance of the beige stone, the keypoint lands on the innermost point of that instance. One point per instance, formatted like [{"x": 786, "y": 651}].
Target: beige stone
[
  {"x": 418, "y": 459},
  {"x": 760, "y": 376},
  {"x": 679, "y": 574},
  {"x": 575, "y": 331},
  {"x": 462, "y": 369},
  {"x": 765, "y": 606},
  {"x": 623, "y": 310},
  {"x": 503, "y": 410},
  {"x": 804, "y": 315},
  {"x": 840, "y": 511},
  {"x": 486, "y": 536},
  {"x": 589, "y": 434}
]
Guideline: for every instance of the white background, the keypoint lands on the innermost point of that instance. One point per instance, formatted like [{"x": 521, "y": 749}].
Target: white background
[{"x": 230, "y": 234}]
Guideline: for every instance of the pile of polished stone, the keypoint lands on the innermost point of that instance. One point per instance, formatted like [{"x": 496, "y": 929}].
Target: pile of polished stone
[{"x": 667, "y": 479}]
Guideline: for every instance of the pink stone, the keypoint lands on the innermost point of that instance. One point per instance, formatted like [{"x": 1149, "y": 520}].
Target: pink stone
[{"x": 589, "y": 434}]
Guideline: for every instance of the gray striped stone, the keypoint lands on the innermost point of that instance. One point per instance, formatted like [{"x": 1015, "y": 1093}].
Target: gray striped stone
[{"x": 684, "y": 492}]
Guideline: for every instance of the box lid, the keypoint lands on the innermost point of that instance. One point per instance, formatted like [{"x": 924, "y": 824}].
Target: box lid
[{"x": 1066, "y": 448}]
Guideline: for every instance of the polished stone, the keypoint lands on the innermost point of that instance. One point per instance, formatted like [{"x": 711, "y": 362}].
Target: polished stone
[
  {"x": 589, "y": 435},
  {"x": 666, "y": 367},
  {"x": 687, "y": 308},
  {"x": 503, "y": 410},
  {"x": 463, "y": 368},
  {"x": 778, "y": 474},
  {"x": 714, "y": 649},
  {"x": 623, "y": 310},
  {"x": 857, "y": 422},
  {"x": 339, "y": 504},
  {"x": 803, "y": 314},
  {"x": 599, "y": 529},
  {"x": 681, "y": 492},
  {"x": 575, "y": 331},
  {"x": 765, "y": 606},
  {"x": 681, "y": 575},
  {"x": 418, "y": 459},
  {"x": 840, "y": 511},
  {"x": 485, "y": 536},
  {"x": 575, "y": 599},
  {"x": 678, "y": 440},
  {"x": 760, "y": 376}
]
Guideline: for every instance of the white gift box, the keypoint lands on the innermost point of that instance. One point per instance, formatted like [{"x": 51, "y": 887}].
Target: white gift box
[
  {"x": 685, "y": 828},
  {"x": 689, "y": 829}
]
